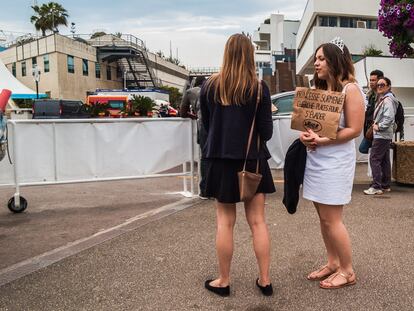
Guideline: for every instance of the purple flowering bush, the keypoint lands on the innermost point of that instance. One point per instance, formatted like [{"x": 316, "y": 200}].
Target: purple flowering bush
[{"x": 396, "y": 22}]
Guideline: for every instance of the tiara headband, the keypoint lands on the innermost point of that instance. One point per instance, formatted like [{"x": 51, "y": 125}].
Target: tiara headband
[{"x": 339, "y": 43}]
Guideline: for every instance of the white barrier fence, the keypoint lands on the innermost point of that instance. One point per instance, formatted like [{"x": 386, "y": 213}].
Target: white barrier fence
[
  {"x": 72, "y": 151},
  {"x": 283, "y": 136}
]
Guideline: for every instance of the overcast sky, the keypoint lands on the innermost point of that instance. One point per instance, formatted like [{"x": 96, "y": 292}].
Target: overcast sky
[{"x": 197, "y": 28}]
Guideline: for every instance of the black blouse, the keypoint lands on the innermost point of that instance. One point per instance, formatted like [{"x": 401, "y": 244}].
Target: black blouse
[{"x": 228, "y": 127}]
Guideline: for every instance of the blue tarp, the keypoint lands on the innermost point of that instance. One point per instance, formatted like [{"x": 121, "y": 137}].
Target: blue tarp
[{"x": 27, "y": 96}]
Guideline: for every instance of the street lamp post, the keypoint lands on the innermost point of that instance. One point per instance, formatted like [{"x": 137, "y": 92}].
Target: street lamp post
[{"x": 36, "y": 77}]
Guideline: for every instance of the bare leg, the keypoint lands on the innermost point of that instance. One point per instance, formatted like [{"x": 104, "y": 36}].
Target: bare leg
[
  {"x": 226, "y": 218},
  {"x": 337, "y": 237},
  {"x": 255, "y": 216}
]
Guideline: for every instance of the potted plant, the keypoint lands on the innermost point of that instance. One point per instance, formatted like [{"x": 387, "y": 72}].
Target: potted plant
[
  {"x": 141, "y": 105},
  {"x": 396, "y": 22}
]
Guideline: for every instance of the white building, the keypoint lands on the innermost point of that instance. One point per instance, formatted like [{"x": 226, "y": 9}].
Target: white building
[
  {"x": 355, "y": 21},
  {"x": 273, "y": 37}
]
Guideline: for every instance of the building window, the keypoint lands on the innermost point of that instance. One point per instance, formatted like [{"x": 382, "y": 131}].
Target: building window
[
  {"x": 85, "y": 69},
  {"x": 46, "y": 67},
  {"x": 97, "y": 70},
  {"x": 14, "y": 69},
  {"x": 345, "y": 22},
  {"x": 71, "y": 64},
  {"x": 34, "y": 62},
  {"x": 23, "y": 69},
  {"x": 108, "y": 72},
  {"x": 118, "y": 73},
  {"x": 328, "y": 21},
  {"x": 372, "y": 24}
]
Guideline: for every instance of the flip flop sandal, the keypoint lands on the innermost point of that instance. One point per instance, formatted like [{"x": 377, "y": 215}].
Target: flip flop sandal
[
  {"x": 321, "y": 277},
  {"x": 350, "y": 280}
]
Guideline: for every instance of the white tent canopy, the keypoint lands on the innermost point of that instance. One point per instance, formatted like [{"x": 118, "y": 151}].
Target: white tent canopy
[{"x": 19, "y": 90}]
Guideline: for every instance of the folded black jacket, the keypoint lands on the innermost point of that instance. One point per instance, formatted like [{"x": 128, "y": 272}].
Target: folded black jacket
[{"x": 294, "y": 170}]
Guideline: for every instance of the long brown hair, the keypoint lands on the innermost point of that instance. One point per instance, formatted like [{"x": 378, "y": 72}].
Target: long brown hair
[
  {"x": 340, "y": 67},
  {"x": 236, "y": 82}
]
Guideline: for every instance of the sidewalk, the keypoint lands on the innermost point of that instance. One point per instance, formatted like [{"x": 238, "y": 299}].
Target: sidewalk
[{"x": 161, "y": 264}]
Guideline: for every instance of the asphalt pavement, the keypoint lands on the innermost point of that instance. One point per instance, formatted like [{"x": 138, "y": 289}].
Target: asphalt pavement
[{"x": 139, "y": 245}]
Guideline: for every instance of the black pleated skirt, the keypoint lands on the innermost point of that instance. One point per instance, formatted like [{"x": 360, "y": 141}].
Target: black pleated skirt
[{"x": 222, "y": 182}]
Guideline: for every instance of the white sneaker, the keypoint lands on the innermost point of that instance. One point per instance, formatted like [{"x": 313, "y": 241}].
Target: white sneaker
[
  {"x": 386, "y": 190},
  {"x": 372, "y": 191}
]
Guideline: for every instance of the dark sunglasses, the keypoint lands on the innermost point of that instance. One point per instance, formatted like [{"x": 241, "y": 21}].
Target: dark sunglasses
[{"x": 381, "y": 85}]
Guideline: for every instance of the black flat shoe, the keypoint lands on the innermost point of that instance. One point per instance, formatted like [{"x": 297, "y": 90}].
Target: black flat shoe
[
  {"x": 221, "y": 291},
  {"x": 266, "y": 290}
]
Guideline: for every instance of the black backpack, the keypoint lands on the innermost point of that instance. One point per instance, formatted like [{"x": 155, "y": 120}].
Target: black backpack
[{"x": 399, "y": 118}]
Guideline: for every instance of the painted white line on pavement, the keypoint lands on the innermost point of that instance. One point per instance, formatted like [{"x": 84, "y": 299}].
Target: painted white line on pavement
[{"x": 33, "y": 264}]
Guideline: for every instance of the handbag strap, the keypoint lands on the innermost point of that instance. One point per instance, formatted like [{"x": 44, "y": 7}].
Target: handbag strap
[
  {"x": 249, "y": 142},
  {"x": 377, "y": 109}
]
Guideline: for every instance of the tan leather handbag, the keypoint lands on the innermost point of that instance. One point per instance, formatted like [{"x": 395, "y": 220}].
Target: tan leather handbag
[{"x": 248, "y": 181}]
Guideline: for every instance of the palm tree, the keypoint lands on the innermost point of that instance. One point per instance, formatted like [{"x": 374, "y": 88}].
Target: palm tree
[
  {"x": 49, "y": 16},
  {"x": 40, "y": 20}
]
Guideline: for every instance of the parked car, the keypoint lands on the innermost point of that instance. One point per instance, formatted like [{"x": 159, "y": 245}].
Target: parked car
[
  {"x": 59, "y": 109},
  {"x": 282, "y": 103}
]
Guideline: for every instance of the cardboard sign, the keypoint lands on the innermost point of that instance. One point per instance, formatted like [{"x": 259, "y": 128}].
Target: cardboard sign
[{"x": 317, "y": 110}]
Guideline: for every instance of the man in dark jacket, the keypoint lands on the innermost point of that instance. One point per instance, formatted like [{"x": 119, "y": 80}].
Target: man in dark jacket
[
  {"x": 190, "y": 108},
  {"x": 372, "y": 99}
]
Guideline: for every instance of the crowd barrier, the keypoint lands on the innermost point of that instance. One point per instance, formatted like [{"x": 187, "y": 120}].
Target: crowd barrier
[{"x": 47, "y": 152}]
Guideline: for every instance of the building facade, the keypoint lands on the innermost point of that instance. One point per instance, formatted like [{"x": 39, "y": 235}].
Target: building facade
[
  {"x": 275, "y": 53},
  {"x": 356, "y": 24},
  {"x": 274, "y": 39},
  {"x": 70, "y": 67},
  {"x": 354, "y": 21}
]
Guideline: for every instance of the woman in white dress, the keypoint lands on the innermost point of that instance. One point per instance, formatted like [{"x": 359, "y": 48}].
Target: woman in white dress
[{"x": 330, "y": 164}]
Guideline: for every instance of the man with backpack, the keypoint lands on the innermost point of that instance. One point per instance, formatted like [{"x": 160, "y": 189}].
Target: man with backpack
[{"x": 372, "y": 99}]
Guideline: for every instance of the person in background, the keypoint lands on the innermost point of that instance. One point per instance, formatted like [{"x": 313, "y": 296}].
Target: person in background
[
  {"x": 330, "y": 164},
  {"x": 372, "y": 98},
  {"x": 190, "y": 108},
  {"x": 228, "y": 102},
  {"x": 384, "y": 119}
]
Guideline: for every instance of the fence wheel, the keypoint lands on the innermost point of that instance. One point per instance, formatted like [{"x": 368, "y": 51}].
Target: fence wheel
[{"x": 21, "y": 208}]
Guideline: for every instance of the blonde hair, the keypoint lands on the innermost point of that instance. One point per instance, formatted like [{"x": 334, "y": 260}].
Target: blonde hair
[{"x": 236, "y": 82}]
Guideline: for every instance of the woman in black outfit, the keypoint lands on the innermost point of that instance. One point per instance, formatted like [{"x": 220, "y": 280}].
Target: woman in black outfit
[{"x": 228, "y": 102}]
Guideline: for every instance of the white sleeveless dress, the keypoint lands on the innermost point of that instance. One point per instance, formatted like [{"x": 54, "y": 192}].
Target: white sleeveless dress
[{"x": 330, "y": 170}]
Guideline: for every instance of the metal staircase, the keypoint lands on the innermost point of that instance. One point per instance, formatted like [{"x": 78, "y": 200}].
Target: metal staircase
[{"x": 131, "y": 55}]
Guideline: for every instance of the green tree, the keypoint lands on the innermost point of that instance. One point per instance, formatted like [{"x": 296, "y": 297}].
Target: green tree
[
  {"x": 49, "y": 16},
  {"x": 175, "y": 95}
]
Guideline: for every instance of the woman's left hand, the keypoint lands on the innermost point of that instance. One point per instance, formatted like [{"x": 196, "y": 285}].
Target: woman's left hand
[{"x": 375, "y": 127}]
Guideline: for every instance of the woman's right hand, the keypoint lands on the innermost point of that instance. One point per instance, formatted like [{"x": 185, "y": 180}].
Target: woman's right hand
[{"x": 308, "y": 140}]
